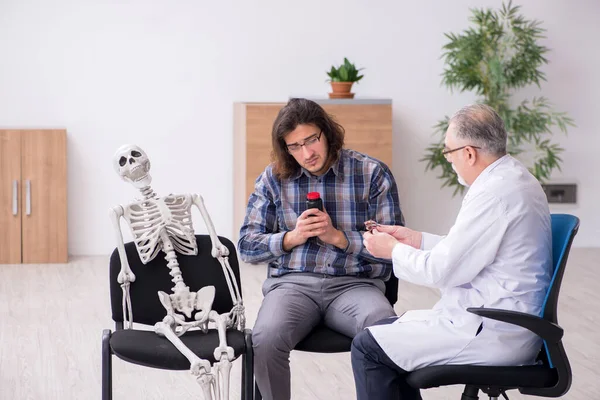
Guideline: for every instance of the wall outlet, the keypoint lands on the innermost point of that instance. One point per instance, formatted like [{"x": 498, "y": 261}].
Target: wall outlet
[{"x": 561, "y": 193}]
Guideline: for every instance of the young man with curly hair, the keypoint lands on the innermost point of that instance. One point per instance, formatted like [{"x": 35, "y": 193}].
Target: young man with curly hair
[{"x": 319, "y": 270}]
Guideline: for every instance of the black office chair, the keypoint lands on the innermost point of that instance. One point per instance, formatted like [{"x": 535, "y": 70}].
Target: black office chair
[
  {"x": 325, "y": 340},
  {"x": 551, "y": 377},
  {"x": 146, "y": 348}
]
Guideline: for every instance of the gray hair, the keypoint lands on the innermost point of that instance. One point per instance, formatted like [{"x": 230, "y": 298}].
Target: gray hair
[{"x": 481, "y": 126}]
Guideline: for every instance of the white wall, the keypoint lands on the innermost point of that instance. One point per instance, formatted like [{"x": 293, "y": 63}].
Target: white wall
[{"x": 164, "y": 75}]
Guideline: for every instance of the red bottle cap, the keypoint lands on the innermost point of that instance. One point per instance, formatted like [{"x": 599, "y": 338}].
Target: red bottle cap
[{"x": 313, "y": 196}]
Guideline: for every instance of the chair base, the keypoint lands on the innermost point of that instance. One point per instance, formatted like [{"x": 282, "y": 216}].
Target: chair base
[
  {"x": 106, "y": 366},
  {"x": 470, "y": 393}
]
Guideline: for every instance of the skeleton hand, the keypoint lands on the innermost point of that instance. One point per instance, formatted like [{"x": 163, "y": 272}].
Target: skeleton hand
[
  {"x": 236, "y": 317},
  {"x": 224, "y": 351}
]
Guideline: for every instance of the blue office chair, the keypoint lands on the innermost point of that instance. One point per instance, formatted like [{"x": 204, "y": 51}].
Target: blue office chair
[{"x": 551, "y": 377}]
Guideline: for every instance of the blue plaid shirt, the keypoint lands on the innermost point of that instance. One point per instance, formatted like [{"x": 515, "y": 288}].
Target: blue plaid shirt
[{"x": 355, "y": 189}]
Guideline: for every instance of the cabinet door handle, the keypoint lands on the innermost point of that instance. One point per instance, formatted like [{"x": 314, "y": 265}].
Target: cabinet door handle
[
  {"x": 15, "y": 198},
  {"x": 28, "y": 197}
]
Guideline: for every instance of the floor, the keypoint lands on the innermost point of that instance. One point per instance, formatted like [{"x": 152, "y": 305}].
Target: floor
[{"x": 52, "y": 316}]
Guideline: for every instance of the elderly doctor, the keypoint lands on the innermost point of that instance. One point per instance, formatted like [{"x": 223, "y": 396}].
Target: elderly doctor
[{"x": 498, "y": 255}]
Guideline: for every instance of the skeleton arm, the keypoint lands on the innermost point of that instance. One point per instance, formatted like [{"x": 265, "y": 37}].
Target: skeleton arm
[
  {"x": 218, "y": 248},
  {"x": 221, "y": 253},
  {"x": 125, "y": 276}
]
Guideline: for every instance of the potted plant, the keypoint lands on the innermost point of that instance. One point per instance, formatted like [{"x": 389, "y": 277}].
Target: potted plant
[
  {"x": 342, "y": 78},
  {"x": 496, "y": 57}
]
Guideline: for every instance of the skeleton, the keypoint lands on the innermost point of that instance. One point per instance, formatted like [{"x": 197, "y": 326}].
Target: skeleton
[{"x": 165, "y": 223}]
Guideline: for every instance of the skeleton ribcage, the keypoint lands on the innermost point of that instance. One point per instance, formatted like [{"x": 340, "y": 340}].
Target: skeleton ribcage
[{"x": 148, "y": 218}]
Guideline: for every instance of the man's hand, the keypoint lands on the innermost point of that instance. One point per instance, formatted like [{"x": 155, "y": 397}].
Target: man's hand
[
  {"x": 379, "y": 244},
  {"x": 402, "y": 234},
  {"x": 314, "y": 223},
  {"x": 332, "y": 235}
]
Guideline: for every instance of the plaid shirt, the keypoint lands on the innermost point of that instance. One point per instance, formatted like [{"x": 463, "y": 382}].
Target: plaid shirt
[{"x": 355, "y": 189}]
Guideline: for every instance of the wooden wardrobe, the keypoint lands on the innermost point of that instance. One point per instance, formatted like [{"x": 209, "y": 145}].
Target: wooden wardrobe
[{"x": 33, "y": 196}]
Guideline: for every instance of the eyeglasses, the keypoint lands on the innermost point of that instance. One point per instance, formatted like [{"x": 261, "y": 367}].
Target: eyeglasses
[
  {"x": 448, "y": 151},
  {"x": 308, "y": 142}
]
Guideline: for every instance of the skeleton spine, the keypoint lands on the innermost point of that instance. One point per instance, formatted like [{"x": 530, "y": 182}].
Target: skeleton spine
[
  {"x": 171, "y": 256},
  {"x": 148, "y": 193},
  {"x": 173, "y": 265}
]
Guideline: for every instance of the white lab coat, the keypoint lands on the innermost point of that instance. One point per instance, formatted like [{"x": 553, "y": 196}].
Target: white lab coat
[{"x": 497, "y": 255}]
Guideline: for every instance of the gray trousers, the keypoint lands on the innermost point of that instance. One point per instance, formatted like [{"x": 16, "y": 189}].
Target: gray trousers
[{"x": 297, "y": 302}]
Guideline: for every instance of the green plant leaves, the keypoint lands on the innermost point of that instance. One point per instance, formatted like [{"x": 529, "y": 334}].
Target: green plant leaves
[
  {"x": 347, "y": 72},
  {"x": 494, "y": 58}
]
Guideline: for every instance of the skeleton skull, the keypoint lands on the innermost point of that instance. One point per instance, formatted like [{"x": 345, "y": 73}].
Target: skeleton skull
[{"x": 132, "y": 165}]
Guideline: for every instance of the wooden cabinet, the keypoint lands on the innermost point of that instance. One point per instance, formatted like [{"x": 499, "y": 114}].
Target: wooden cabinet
[
  {"x": 33, "y": 196},
  {"x": 368, "y": 126}
]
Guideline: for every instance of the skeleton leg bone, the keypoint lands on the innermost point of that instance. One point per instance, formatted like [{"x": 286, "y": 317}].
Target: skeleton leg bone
[
  {"x": 223, "y": 350},
  {"x": 207, "y": 382},
  {"x": 224, "y": 354},
  {"x": 214, "y": 382},
  {"x": 200, "y": 368},
  {"x": 222, "y": 372}
]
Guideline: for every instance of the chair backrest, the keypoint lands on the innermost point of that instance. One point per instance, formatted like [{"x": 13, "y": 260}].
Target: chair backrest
[
  {"x": 198, "y": 271},
  {"x": 564, "y": 229}
]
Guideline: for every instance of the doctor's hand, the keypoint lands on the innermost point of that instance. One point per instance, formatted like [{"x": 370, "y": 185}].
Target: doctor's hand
[
  {"x": 402, "y": 234},
  {"x": 379, "y": 244}
]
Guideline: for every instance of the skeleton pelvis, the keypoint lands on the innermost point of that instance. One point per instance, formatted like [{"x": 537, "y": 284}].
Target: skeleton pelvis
[{"x": 186, "y": 302}]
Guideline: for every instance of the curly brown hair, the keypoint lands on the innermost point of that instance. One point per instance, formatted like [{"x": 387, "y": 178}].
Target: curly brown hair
[{"x": 299, "y": 112}]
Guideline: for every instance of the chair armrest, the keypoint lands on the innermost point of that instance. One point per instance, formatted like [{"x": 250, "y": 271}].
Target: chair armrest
[{"x": 547, "y": 330}]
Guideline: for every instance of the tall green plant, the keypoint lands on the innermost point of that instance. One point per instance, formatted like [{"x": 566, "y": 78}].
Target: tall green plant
[{"x": 494, "y": 58}]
